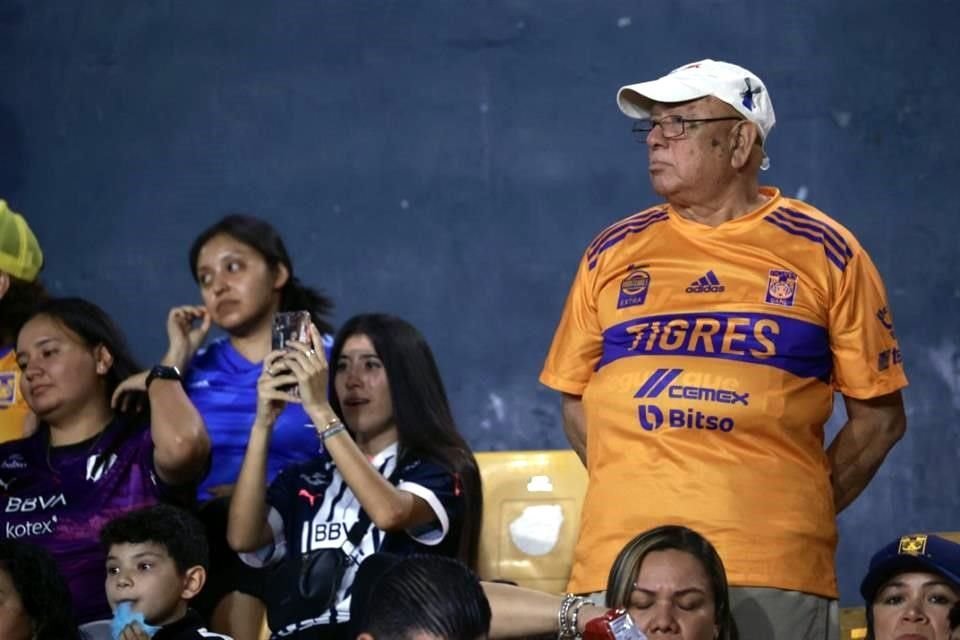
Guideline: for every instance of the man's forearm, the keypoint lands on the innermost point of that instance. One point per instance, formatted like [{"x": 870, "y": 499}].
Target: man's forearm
[{"x": 856, "y": 454}]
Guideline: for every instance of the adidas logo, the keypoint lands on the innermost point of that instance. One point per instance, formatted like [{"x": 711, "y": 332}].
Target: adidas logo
[{"x": 707, "y": 283}]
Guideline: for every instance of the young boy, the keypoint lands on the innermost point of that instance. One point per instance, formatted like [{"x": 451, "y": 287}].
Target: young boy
[{"x": 156, "y": 562}]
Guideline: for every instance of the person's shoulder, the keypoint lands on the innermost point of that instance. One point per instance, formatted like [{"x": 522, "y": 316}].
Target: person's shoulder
[
  {"x": 613, "y": 233},
  {"x": 411, "y": 466},
  {"x": 210, "y": 351},
  {"x": 187, "y": 628},
  {"x": 804, "y": 215},
  {"x": 14, "y": 456},
  {"x": 18, "y": 446},
  {"x": 314, "y": 471}
]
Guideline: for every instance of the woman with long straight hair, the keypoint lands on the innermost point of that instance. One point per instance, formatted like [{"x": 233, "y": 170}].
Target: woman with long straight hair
[
  {"x": 88, "y": 462},
  {"x": 392, "y": 459}
]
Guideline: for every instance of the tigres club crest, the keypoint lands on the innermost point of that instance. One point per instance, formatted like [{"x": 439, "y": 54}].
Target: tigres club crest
[
  {"x": 781, "y": 287},
  {"x": 915, "y": 545},
  {"x": 8, "y": 388},
  {"x": 633, "y": 288}
]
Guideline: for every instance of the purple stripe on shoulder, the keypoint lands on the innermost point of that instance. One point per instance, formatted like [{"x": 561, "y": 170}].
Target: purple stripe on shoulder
[
  {"x": 829, "y": 232},
  {"x": 840, "y": 264},
  {"x": 623, "y": 234},
  {"x": 619, "y": 226}
]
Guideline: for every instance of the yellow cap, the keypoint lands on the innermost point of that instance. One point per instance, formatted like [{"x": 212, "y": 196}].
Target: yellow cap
[{"x": 20, "y": 254}]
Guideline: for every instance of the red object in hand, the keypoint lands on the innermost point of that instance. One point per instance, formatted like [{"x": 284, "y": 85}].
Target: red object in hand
[{"x": 615, "y": 624}]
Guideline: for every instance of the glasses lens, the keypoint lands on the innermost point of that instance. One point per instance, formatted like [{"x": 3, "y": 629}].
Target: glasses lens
[{"x": 672, "y": 126}]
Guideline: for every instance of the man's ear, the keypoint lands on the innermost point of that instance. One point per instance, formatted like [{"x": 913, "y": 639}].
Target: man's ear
[
  {"x": 193, "y": 581},
  {"x": 745, "y": 136},
  {"x": 4, "y": 283}
]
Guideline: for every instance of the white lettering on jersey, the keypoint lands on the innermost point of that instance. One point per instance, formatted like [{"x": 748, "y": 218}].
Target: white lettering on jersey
[
  {"x": 34, "y": 503},
  {"x": 323, "y": 535},
  {"x": 14, "y": 461},
  {"x": 26, "y": 529}
]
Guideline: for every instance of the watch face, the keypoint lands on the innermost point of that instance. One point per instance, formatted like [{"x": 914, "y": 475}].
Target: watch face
[{"x": 164, "y": 373}]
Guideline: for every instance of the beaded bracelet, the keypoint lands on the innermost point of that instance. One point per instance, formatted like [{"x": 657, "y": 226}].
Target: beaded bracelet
[
  {"x": 566, "y": 622},
  {"x": 575, "y": 624},
  {"x": 565, "y": 604}
]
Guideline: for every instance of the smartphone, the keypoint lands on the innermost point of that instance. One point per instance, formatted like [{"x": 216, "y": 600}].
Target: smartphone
[{"x": 290, "y": 326}]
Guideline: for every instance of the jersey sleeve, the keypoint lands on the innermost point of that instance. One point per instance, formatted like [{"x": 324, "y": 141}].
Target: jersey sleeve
[
  {"x": 578, "y": 342},
  {"x": 867, "y": 361},
  {"x": 440, "y": 489}
]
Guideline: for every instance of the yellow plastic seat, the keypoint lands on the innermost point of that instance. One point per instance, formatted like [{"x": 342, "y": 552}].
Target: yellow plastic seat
[
  {"x": 853, "y": 623},
  {"x": 531, "y": 516}
]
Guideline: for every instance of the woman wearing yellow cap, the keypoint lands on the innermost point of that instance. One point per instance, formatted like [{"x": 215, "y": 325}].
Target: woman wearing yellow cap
[{"x": 20, "y": 289}]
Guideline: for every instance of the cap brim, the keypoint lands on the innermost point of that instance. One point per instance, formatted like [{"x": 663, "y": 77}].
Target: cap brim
[
  {"x": 900, "y": 564},
  {"x": 635, "y": 100}
]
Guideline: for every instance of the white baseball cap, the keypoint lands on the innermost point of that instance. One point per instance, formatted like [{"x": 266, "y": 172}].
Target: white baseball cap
[{"x": 733, "y": 84}]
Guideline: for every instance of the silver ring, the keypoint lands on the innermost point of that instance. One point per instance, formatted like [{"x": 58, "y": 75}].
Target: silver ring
[{"x": 311, "y": 353}]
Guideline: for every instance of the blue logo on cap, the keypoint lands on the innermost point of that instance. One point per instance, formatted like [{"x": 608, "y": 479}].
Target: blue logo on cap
[{"x": 748, "y": 93}]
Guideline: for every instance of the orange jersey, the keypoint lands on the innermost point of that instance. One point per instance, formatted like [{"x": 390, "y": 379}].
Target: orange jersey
[
  {"x": 13, "y": 408},
  {"x": 707, "y": 359}
]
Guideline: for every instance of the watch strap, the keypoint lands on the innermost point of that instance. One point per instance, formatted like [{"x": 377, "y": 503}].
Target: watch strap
[{"x": 164, "y": 373}]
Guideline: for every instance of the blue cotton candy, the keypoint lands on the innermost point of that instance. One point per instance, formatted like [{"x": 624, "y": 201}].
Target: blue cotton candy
[{"x": 123, "y": 616}]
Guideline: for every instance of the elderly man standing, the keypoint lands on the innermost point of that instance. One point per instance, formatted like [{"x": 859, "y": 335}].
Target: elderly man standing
[{"x": 698, "y": 355}]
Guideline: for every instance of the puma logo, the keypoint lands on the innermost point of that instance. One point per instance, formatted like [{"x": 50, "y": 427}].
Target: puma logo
[{"x": 309, "y": 496}]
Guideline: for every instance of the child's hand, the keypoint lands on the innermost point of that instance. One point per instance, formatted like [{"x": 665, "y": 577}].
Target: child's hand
[
  {"x": 133, "y": 631},
  {"x": 128, "y": 624}
]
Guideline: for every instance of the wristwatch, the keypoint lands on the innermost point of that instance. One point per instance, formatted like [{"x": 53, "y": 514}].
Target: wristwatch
[{"x": 164, "y": 373}]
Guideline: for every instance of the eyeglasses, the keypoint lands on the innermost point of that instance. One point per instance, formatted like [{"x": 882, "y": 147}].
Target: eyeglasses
[{"x": 670, "y": 126}]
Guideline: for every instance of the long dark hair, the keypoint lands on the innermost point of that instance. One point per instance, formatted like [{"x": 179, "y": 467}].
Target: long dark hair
[
  {"x": 95, "y": 328},
  {"x": 43, "y": 591},
  {"x": 17, "y": 305},
  {"x": 264, "y": 239},
  {"x": 624, "y": 571},
  {"x": 425, "y": 424}
]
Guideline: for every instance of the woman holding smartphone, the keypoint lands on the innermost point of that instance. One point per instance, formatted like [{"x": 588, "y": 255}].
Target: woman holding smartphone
[
  {"x": 392, "y": 458},
  {"x": 245, "y": 276}
]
